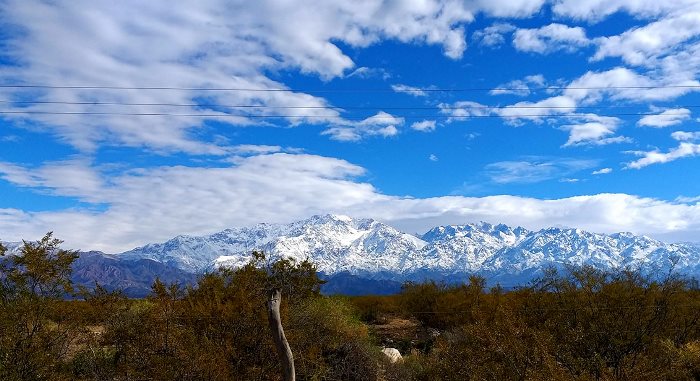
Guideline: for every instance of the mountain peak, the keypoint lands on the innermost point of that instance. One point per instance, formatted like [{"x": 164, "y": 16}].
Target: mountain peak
[{"x": 338, "y": 243}]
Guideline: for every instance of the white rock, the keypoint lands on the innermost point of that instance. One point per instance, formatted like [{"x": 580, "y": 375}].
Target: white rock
[{"x": 392, "y": 354}]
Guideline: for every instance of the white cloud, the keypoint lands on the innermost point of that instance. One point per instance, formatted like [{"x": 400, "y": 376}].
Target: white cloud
[
  {"x": 685, "y": 136},
  {"x": 462, "y": 110},
  {"x": 74, "y": 177},
  {"x": 493, "y": 35},
  {"x": 617, "y": 84},
  {"x": 624, "y": 84},
  {"x": 667, "y": 118},
  {"x": 424, "y": 125},
  {"x": 688, "y": 200},
  {"x": 550, "y": 38},
  {"x": 638, "y": 46},
  {"x": 535, "y": 170},
  {"x": 595, "y": 10},
  {"x": 254, "y": 149},
  {"x": 535, "y": 111},
  {"x": 602, "y": 171},
  {"x": 520, "y": 87},
  {"x": 684, "y": 149},
  {"x": 587, "y": 132},
  {"x": 508, "y": 8},
  {"x": 415, "y": 91},
  {"x": 593, "y": 129},
  {"x": 369, "y": 72},
  {"x": 432, "y": 157},
  {"x": 381, "y": 124},
  {"x": 227, "y": 45},
  {"x": 156, "y": 204}
]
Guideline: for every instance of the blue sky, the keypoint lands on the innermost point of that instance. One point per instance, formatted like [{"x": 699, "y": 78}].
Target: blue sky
[{"x": 536, "y": 113}]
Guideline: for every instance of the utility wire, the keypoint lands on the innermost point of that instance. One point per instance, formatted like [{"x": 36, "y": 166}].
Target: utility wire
[
  {"x": 350, "y": 90},
  {"x": 258, "y": 116},
  {"x": 245, "y": 106}
]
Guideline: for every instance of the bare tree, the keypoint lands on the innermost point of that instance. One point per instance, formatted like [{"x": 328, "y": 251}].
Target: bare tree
[{"x": 283, "y": 350}]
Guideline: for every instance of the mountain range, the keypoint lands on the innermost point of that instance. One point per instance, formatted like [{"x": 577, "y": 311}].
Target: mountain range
[{"x": 367, "y": 256}]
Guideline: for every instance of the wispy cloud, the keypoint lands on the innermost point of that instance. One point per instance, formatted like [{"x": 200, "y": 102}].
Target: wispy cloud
[
  {"x": 533, "y": 170},
  {"x": 686, "y": 148},
  {"x": 410, "y": 90},
  {"x": 666, "y": 118}
]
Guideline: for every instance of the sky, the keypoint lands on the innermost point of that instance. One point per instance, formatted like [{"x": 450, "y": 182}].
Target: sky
[{"x": 124, "y": 123}]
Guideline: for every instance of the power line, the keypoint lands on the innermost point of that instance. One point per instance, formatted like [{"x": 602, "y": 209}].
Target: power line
[
  {"x": 349, "y": 90},
  {"x": 247, "y": 106},
  {"x": 258, "y": 116}
]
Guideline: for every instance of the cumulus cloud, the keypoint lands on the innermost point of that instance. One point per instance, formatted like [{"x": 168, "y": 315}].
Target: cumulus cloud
[
  {"x": 493, "y": 35},
  {"x": 638, "y": 46},
  {"x": 594, "y": 130},
  {"x": 381, "y": 124},
  {"x": 595, "y": 10},
  {"x": 550, "y": 38},
  {"x": 670, "y": 117},
  {"x": 150, "y": 205},
  {"x": 617, "y": 84},
  {"x": 227, "y": 45},
  {"x": 587, "y": 132},
  {"x": 536, "y": 111},
  {"x": 424, "y": 125},
  {"x": 685, "y": 136},
  {"x": 461, "y": 110}
]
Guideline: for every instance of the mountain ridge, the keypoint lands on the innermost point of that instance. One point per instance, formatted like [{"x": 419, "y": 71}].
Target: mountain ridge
[
  {"x": 361, "y": 253},
  {"x": 369, "y": 248}
]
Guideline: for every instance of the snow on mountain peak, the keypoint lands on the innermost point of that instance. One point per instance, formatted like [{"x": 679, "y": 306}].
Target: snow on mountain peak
[{"x": 337, "y": 243}]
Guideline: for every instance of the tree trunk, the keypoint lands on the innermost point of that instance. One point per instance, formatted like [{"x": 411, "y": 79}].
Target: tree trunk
[{"x": 283, "y": 350}]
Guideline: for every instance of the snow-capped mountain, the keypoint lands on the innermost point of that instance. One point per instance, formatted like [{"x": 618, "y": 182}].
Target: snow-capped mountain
[
  {"x": 13, "y": 248},
  {"x": 559, "y": 247},
  {"x": 464, "y": 248},
  {"x": 196, "y": 254},
  {"x": 371, "y": 249},
  {"x": 339, "y": 243}
]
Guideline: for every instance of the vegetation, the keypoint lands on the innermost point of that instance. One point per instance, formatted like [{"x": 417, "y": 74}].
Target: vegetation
[{"x": 582, "y": 324}]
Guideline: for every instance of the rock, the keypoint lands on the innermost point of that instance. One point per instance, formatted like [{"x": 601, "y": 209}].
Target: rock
[{"x": 393, "y": 355}]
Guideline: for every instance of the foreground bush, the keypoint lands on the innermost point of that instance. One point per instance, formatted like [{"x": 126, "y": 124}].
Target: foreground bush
[{"x": 581, "y": 324}]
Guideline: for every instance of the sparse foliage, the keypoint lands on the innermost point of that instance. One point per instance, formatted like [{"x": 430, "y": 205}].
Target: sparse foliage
[{"x": 581, "y": 324}]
